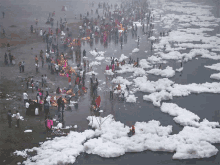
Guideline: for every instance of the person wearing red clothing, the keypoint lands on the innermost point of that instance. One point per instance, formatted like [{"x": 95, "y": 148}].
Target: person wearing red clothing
[
  {"x": 77, "y": 80},
  {"x": 98, "y": 101},
  {"x": 69, "y": 81}
]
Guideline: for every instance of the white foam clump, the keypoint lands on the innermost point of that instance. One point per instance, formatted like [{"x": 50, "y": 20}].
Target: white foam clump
[
  {"x": 121, "y": 80},
  {"x": 215, "y": 76},
  {"x": 152, "y": 86},
  {"x": 131, "y": 99},
  {"x": 114, "y": 141},
  {"x": 185, "y": 90},
  {"x": 94, "y": 53},
  {"x": 92, "y": 72},
  {"x": 109, "y": 72},
  {"x": 152, "y": 38},
  {"x": 129, "y": 68},
  {"x": 144, "y": 64},
  {"x": 155, "y": 59},
  {"x": 168, "y": 72},
  {"x": 123, "y": 57},
  {"x": 183, "y": 116},
  {"x": 100, "y": 58},
  {"x": 201, "y": 52},
  {"x": 180, "y": 69},
  {"x": 28, "y": 130},
  {"x": 157, "y": 97},
  {"x": 137, "y": 23},
  {"x": 216, "y": 50},
  {"x": 95, "y": 63},
  {"x": 135, "y": 50},
  {"x": 173, "y": 55},
  {"x": 60, "y": 149},
  {"x": 214, "y": 66},
  {"x": 75, "y": 126},
  {"x": 171, "y": 89},
  {"x": 139, "y": 72}
]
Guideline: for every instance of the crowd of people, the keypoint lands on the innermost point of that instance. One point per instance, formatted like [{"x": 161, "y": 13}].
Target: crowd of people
[{"x": 114, "y": 24}]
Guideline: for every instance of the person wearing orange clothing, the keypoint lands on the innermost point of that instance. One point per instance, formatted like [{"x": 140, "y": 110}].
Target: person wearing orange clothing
[
  {"x": 36, "y": 59},
  {"x": 119, "y": 87},
  {"x": 132, "y": 131}
]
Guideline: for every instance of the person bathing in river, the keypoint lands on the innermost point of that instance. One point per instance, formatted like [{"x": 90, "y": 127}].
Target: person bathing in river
[
  {"x": 107, "y": 68},
  {"x": 119, "y": 87},
  {"x": 132, "y": 131}
]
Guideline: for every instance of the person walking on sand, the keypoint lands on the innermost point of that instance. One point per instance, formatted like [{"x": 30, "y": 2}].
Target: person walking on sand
[
  {"x": 25, "y": 97},
  {"x": 36, "y": 59},
  {"x": 9, "y": 118},
  {"x": 8, "y": 46},
  {"x": 19, "y": 64},
  {"x": 32, "y": 84},
  {"x": 22, "y": 66},
  {"x": 17, "y": 118},
  {"x": 42, "y": 81},
  {"x": 3, "y": 14},
  {"x": 27, "y": 83},
  {"x": 59, "y": 103},
  {"x": 27, "y": 105},
  {"x": 69, "y": 81},
  {"x": 36, "y": 22},
  {"x": 10, "y": 58},
  {"x": 46, "y": 107},
  {"x": 6, "y": 59},
  {"x": 42, "y": 60},
  {"x": 45, "y": 79},
  {"x": 37, "y": 66},
  {"x": 84, "y": 53}
]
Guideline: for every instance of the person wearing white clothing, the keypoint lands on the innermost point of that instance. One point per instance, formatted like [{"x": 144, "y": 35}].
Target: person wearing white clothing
[
  {"x": 27, "y": 107},
  {"x": 25, "y": 97},
  {"x": 57, "y": 68},
  {"x": 17, "y": 118}
]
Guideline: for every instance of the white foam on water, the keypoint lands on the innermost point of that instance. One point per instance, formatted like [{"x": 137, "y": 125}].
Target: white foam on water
[
  {"x": 215, "y": 76},
  {"x": 167, "y": 72}
]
